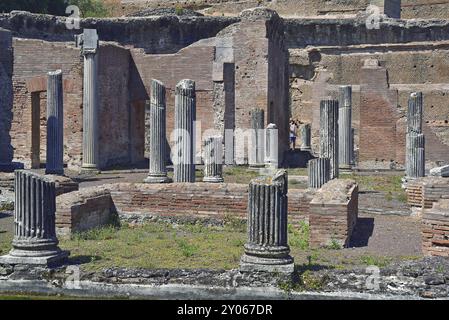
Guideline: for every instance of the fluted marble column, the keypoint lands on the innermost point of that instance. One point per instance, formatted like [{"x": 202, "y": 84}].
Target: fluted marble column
[
  {"x": 213, "y": 159},
  {"x": 415, "y": 155},
  {"x": 329, "y": 134},
  {"x": 90, "y": 101},
  {"x": 271, "y": 146},
  {"x": 344, "y": 128},
  {"x": 55, "y": 124},
  {"x": 318, "y": 172},
  {"x": 185, "y": 115},
  {"x": 415, "y": 141},
  {"x": 305, "y": 137},
  {"x": 156, "y": 113},
  {"x": 35, "y": 240},
  {"x": 257, "y": 142},
  {"x": 267, "y": 246}
]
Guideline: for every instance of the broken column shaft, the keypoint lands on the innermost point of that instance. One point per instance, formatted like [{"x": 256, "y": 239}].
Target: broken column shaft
[
  {"x": 318, "y": 172},
  {"x": 344, "y": 128},
  {"x": 185, "y": 115},
  {"x": 329, "y": 134},
  {"x": 55, "y": 124},
  {"x": 156, "y": 113},
  {"x": 213, "y": 159},
  {"x": 267, "y": 247}
]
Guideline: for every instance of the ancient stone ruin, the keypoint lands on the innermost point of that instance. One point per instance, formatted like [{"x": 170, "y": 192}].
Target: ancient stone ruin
[{"x": 182, "y": 121}]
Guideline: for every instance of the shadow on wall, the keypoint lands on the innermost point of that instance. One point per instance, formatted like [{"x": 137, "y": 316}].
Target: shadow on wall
[{"x": 362, "y": 232}]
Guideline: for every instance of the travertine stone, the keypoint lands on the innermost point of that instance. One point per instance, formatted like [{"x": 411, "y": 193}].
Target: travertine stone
[
  {"x": 35, "y": 240},
  {"x": 55, "y": 124},
  {"x": 329, "y": 134},
  {"x": 415, "y": 112},
  {"x": 213, "y": 159},
  {"x": 257, "y": 137},
  {"x": 306, "y": 137},
  {"x": 156, "y": 113},
  {"x": 319, "y": 172},
  {"x": 271, "y": 147},
  {"x": 90, "y": 100},
  {"x": 185, "y": 115},
  {"x": 267, "y": 247},
  {"x": 344, "y": 128}
]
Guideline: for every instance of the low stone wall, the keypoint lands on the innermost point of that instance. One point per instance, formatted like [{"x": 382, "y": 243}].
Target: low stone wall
[
  {"x": 424, "y": 192},
  {"x": 83, "y": 210},
  {"x": 92, "y": 207},
  {"x": 333, "y": 213},
  {"x": 435, "y": 229}
]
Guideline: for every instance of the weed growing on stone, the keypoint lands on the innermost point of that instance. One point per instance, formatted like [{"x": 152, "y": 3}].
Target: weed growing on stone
[{"x": 380, "y": 262}]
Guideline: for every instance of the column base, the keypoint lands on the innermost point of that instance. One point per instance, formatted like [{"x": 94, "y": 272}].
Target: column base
[
  {"x": 90, "y": 169},
  {"x": 283, "y": 265},
  {"x": 213, "y": 179},
  {"x": 48, "y": 259},
  {"x": 157, "y": 179}
]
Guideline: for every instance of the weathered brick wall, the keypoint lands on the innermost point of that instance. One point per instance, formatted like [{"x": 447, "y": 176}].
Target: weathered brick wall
[
  {"x": 114, "y": 102},
  {"x": 83, "y": 210},
  {"x": 6, "y": 96},
  {"x": 90, "y": 207},
  {"x": 378, "y": 116},
  {"x": 435, "y": 229},
  {"x": 33, "y": 59},
  {"x": 333, "y": 213},
  {"x": 422, "y": 193}
]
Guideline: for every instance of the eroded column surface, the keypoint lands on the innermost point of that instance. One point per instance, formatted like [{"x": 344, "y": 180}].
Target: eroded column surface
[
  {"x": 55, "y": 124},
  {"x": 267, "y": 246},
  {"x": 90, "y": 101},
  {"x": 213, "y": 159},
  {"x": 35, "y": 240},
  {"x": 318, "y": 172},
  {"x": 185, "y": 115},
  {"x": 344, "y": 128},
  {"x": 415, "y": 140},
  {"x": 329, "y": 134},
  {"x": 257, "y": 137},
  {"x": 156, "y": 113}
]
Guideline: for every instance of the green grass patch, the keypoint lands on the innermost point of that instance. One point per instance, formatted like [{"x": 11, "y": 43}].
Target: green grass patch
[
  {"x": 299, "y": 236},
  {"x": 378, "y": 261}
]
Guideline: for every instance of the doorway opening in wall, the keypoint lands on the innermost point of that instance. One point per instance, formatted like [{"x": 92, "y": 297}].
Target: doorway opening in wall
[
  {"x": 38, "y": 129},
  {"x": 138, "y": 153}
]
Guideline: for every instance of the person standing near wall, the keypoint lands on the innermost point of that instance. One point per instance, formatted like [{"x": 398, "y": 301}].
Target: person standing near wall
[{"x": 293, "y": 135}]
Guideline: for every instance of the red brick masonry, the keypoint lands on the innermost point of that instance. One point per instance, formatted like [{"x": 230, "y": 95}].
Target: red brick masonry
[
  {"x": 333, "y": 213},
  {"x": 435, "y": 229},
  {"x": 92, "y": 207}
]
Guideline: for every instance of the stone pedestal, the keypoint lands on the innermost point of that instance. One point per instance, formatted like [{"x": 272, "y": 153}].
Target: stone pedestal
[
  {"x": 55, "y": 124},
  {"x": 329, "y": 134},
  {"x": 319, "y": 172},
  {"x": 306, "y": 137},
  {"x": 213, "y": 159},
  {"x": 156, "y": 113},
  {"x": 184, "y": 149},
  {"x": 89, "y": 41},
  {"x": 35, "y": 240},
  {"x": 271, "y": 146},
  {"x": 344, "y": 128},
  {"x": 267, "y": 247},
  {"x": 257, "y": 153}
]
